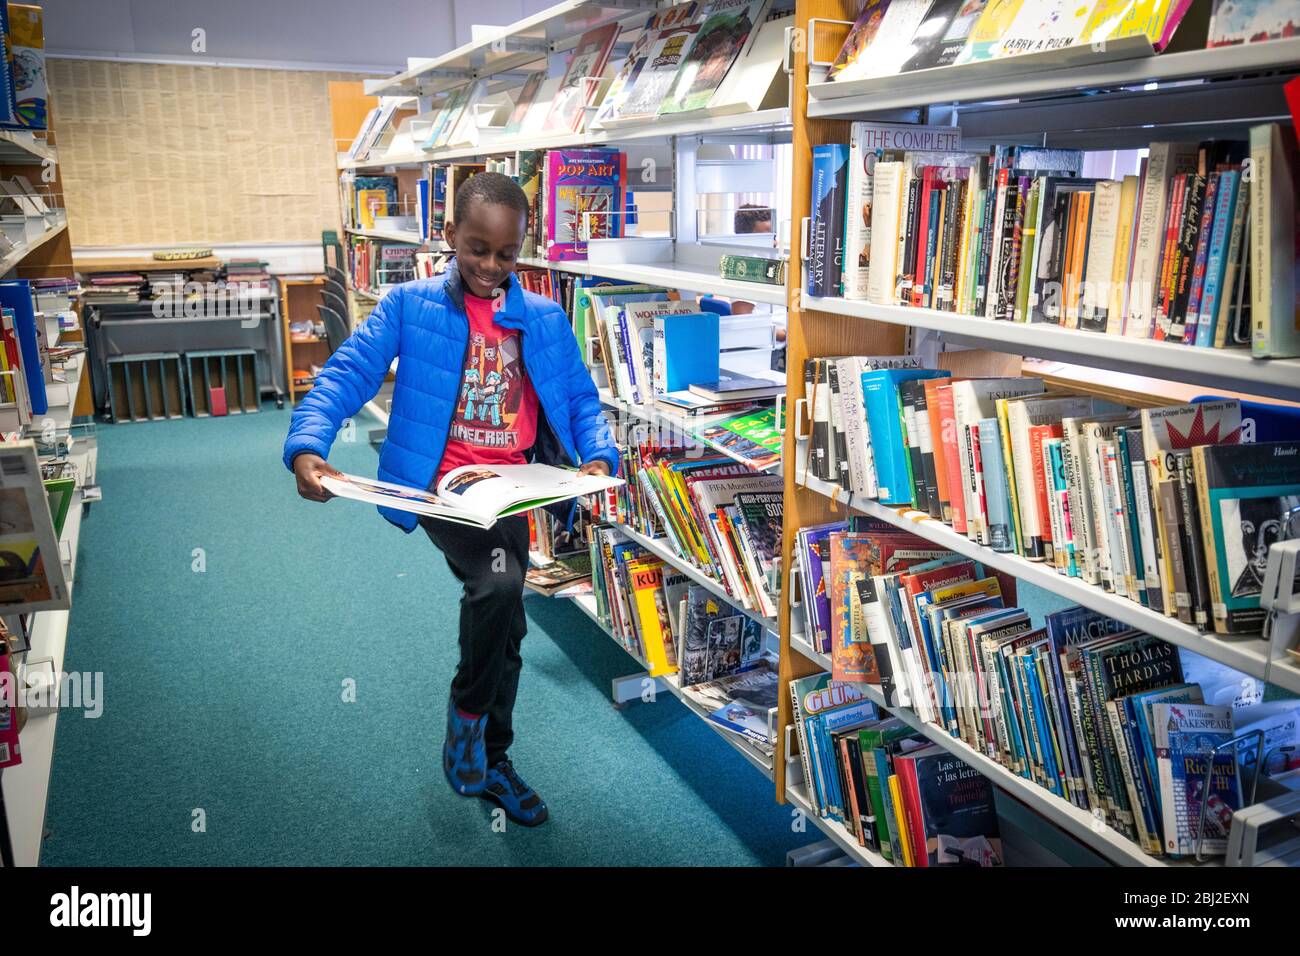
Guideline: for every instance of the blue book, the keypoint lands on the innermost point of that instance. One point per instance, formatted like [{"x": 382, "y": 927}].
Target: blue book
[
  {"x": 16, "y": 294},
  {"x": 1139, "y": 706},
  {"x": 996, "y": 493},
  {"x": 885, "y": 420},
  {"x": 1070, "y": 564},
  {"x": 1224, "y": 209},
  {"x": 422, "y": 197},
  {"x": 1038, "y": 706},
  {"x": 687, "y": 347},
  {"x": 826, "y": 234}
]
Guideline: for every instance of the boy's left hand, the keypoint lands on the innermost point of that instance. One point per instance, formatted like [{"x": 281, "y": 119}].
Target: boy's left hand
[{"x": 596, "y": 467}]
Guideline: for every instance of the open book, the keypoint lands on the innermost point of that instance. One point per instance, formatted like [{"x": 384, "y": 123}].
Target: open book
[{"x": 475, "y": 494}]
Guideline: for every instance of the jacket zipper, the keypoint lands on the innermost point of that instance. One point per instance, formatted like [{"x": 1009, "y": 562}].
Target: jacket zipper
[{"x": 455, "y": 403}]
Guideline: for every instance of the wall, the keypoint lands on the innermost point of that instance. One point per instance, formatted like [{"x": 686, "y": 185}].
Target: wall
[{"x": 154, "y": 154}]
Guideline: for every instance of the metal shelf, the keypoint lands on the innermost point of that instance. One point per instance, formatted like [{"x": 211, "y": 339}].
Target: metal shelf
[
  {"x": 1248, "y": 655},
  {"x": 17, "y": 146},
  {"x": 1070, "y": 71},
  {"x": 11, "y": 259},
  {"x": 837, "y": 831},
  {"x": 691, "y": 125},
  {"x": 660, "y": 549},
  {"x": 412, "y": 237},
  {"x": 677, "y": 275},
  {"x": 1231, "y": 369}
]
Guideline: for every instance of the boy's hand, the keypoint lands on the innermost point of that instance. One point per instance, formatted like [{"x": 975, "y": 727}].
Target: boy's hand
[
  {"x": 595, "y": 467},
  {"x": 308, "y": 468}
]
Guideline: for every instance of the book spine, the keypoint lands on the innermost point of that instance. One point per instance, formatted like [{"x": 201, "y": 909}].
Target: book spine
[
  {"x": 1200, "y": 262},
  {"x": 1173, "y": 221},
  {"x": 1190, "y": 527},
  {"x": 1146, "y": 528},
  {"x": 1217, "y": 260},
  {"x": 1175, "y": 562},
  {"x": 1184, "y": 257}
]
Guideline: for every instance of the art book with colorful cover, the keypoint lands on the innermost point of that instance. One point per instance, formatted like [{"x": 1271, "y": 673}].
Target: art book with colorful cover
[
  {"x": 753, "y": 439},
  {"x": 476, "y": 495},
  {"x": 26, "y": 52},
  {"x": 1246, "y": 493},
  {"x": 1117, "y": 19},
  {"x": 726, "y": 32},
  {"x": 888, "y": 44},
  {"x": 587, "y": 61},
  {"x": 852, "y": 656},
  {"x": 860, "y": 37},
  {"x": 958, "y": 18},
  {"x": 1235, "y": 22},
  {"x": 1185, "y": 736},
  {"x": 639, "y": 58},
  {"x": 656, "y": 77},
  {"x": 584, "y": 194},
  {"x": 951, "y": 816}
]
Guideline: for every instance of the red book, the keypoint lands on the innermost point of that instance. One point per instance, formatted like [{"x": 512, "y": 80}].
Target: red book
[
  {"x": 922, "y": 236},
  {"x": 217, "y": 401},
  {"x": 905, "y": 770},
  {"x": 1037, "y": 435},
  {"x": 947, "y": 439},
  {"x": 1173, "y": 220}
]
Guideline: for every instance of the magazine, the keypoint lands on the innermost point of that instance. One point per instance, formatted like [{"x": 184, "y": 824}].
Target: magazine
[
  {"x": 475, "y": 494},
  {"x": 741, "y": 703}
]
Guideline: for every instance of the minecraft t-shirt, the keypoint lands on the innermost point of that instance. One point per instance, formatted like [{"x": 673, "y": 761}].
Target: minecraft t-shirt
[{"x": 495, "y": 420}]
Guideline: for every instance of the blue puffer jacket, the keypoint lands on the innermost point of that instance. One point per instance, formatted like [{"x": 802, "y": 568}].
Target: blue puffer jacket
[{"x": 424, "y": 325}]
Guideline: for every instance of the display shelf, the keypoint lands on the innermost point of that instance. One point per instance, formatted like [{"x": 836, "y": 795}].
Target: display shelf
[
  {"x": 27, "y": 786},
  {"x": 1081, "y": 69},
  {"x": 20, "y": 146},
  {"x": 837, "y": 831},
  {"x": 414, "y": 238},
  {"x": 21, "y": 251},
  {"x": 690, "y": 124},
  {"x": 659, "y": 548},
  {"x": 554, "y": 29},
  {"x": 1232, "y": 369},
  {"x": 1248, "y": 655},
  {"x": 683, "y": 425},
  {"x": 678, "y": 275}
]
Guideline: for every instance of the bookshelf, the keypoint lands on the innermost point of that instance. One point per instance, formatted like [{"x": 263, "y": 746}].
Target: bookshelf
[{"x": 1115, "y": 97}]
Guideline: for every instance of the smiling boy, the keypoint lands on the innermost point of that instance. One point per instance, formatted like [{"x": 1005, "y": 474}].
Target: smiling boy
[{"x": 488, "y": 373}]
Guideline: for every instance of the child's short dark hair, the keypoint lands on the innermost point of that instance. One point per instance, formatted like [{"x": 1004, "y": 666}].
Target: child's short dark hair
[
  {"x": 494, "y": 188},
  {"x": 748, "y": 217}
]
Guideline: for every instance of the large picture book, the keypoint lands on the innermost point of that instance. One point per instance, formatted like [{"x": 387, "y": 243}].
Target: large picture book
[
  {"x": 586, "y": 62},
  {"x": 475, "y": 495},
  {"x": 583, "y": 195},
  {"x": 31, "y": 567},
  {"x": 727, "y": 30}
]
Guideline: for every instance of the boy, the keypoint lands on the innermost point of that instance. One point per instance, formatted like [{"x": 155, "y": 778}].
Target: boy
[{"x": 489, "y": 374}]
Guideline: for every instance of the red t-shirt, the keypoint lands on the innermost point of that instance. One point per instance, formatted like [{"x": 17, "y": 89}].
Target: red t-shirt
[{"x": 496, "y": 412}]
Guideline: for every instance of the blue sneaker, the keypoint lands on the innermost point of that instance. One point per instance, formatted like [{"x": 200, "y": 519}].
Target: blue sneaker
[
  {"x": 464, "y": 755},
  {"x": 520, "y": 801}
]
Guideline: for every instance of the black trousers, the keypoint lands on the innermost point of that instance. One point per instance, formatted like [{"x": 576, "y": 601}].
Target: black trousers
[{"x": 490, "y": 564}]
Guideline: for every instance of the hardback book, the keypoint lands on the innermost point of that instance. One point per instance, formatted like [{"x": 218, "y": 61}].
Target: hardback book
[
  {"x": 1166, "y": 161},
  {"x": 655, "y": 79},
  {"x": 639, "y": 58},
  {"x": 951, "y": 815},
  {"x": 475, "y": 495},
  {"x": 1275, "y": 242},
  {"x": 1112, "y": 20},
  {"x": 726, "y": 32},
  {"x": 738, "y": 388},
  {"x": 523, "y": 102},
  {"x": 1017, "y": 27},
  {"x": 584, "y": 195},
  {"x": 826, "y": 233},
  {"x": 1235, "y": 22},
  {"x": 34, "y": 579},
  {"x": 685, "y": 350},
  {"x": 1245, "y": 493},
  {"x": 884, "y": 418},
  {"x": 770, "y": 271},
  {"x": 586, "y": 61},
  {"x": 1185, "y": 737},
  {"x": 852, "y": 659},
  {"x": 879, "y": 42},
  {"x": 29, "y": 88},
  {"x": 943, "y": 34}
]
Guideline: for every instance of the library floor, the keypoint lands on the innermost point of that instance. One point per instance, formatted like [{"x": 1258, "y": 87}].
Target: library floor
[{"x": 226, "y": 614}]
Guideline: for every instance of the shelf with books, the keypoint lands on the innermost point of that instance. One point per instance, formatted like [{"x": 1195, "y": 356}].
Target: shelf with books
[
  {"x": 26, "y": 786},
  {"x": 769, "y": 120},
  {"x": 659, "y": 548},
  {"x": 836, "y": 831},
  {"x": 1250, "y": 655},
  {"x": 677, "y": 275},
  {"x": 1232, "y": 369},
  {"x": 413, "y": 238},
  {"x": 1082, "y": 70},
  {"x": 798, "y": 643}
]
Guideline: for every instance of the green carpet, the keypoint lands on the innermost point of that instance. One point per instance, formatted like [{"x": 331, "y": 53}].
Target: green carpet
[{"x": 223, "y": 690}]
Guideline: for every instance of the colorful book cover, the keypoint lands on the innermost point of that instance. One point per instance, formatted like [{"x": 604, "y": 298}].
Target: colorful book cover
[
  {"x": 860, "y": 37},
  {"x": 1246, "y": 493},
  {"x": 947, "y": 46},
  {"x": 724, "y": 34},
  {"x": 26, "y": 52},
  {"x": 1185, "y": 736},
  {"x": 955, "y": 810},
  {"x": 584, "y": 191},
  {"x": 996, "y": 490},
  {"x": 826, "y": 236},
  {"x": 10, "y": 746},
  {"x": 851, "y": 659},
  {"x": 884, "y": 418},
  {"x": 587, "y": 60},
  {"x": 1235, "y": 22},
  {"x": 887, "y": 45},
  {"x": 754, "y": 438},
  {"x": 1118, "y": 19}
]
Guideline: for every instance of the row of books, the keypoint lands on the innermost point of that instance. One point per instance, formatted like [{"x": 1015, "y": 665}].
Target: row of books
[
  {"x": 900, "y": 795},
  {"x": 1197, "y": 247},
  {"x": 678, "y": 61},
  {"x": 1072, "y": 706},
  {"x": 717, "y": 516},
  {"x": 899, "y": 36},
  {"x": 376, "y": 265},
  {"x": 1173, "y": 507}
]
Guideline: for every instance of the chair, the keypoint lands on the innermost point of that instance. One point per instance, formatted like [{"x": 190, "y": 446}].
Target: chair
[
  {"x": 336, "y": 302},
  {"x": 336, "y": 327}
]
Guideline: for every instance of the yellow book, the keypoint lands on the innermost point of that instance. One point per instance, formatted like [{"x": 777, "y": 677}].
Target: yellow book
[
  {"x": 646, "y": 578},
  {"x": 900, "y": 821},
  {"x": 370, "y": 202},
  {"x": 1009, "y": 464},
  {"x": 1119, "y": 19},
  {"x": 1119, "y": 266}
]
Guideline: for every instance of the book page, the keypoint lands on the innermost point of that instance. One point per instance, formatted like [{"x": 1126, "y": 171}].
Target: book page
[
  {"x": 401, "y": 497},
  {"x": 500, "y": 490}
]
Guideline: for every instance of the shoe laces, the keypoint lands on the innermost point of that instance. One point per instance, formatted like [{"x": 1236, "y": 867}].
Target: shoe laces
[{"x": 507, "y": 770}]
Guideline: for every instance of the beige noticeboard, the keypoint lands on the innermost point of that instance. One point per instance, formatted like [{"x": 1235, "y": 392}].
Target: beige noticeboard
[{"x": 162, "y": 154}]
